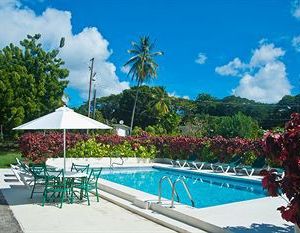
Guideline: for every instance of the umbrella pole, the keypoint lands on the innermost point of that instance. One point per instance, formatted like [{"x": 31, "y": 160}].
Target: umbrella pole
[{"x": 64, "y": 150}]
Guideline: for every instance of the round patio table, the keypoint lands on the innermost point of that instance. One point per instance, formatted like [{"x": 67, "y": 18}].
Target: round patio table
[{"x": 69, "y": 174}]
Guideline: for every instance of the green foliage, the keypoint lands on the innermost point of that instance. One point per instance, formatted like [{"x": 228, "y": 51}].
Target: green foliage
[
  {"x": 91, "y": 148},
  {"x": 8, "y": 157},
  {"x": 249, "y": 157},
  {"x": 156, "y": 130},
  {"x": 206, "y": 116},
  {"x": 167, "y": 125},
  {"x": 32, "y": 82},
  {"x": 196, "y": 127},
  {"x": 148, "y": 112},
  {"x": 206, "y": 153},
  {"x": 122, "y": 150},
  {"x": 83, "y": 109},
  {"x": 231, "y": 105},
  {"x": 278, "y": 130},
  {"x": 207, "y": 104},
  {"x": 170, "y": 123},
  {"x": 137, "y": 131},
  {"x": 185, "y": 108},
  {"x": 161, "y": 101},
  {"x": 238, "y": 125}
]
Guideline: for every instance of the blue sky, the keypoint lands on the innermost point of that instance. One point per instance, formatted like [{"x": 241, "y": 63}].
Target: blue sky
[{"x": 220, "y": 30}]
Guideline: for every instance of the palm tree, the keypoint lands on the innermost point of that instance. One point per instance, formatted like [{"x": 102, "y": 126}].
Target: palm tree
[
  {"x": 161, "y": 101},
  {"x": 142, "y": 65}
]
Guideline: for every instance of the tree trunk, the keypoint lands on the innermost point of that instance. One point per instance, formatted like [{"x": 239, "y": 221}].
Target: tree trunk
[{"x": 133, "y": 110}]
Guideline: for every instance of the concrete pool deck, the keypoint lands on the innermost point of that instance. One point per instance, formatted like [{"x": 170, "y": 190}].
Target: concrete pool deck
[{"x": 72, "y": 218}]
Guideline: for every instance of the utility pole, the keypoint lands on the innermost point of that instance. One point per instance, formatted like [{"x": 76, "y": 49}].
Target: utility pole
[
  {"x": 92, "y": 75},
  {"x": 94, "y": 102}
]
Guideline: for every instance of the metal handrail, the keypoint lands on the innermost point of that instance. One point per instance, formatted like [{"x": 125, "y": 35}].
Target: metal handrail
[
  {"x": 160, "y": 186},
  {"x": 112, "y": 163},
  {"x": 186, "y": 189}
]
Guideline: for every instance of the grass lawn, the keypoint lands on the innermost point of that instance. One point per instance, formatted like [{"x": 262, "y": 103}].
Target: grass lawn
[{"x": 8, "y": 157}]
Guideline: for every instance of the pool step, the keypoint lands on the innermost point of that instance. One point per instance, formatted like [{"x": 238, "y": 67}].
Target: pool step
[{"x": 149, "y": 214}]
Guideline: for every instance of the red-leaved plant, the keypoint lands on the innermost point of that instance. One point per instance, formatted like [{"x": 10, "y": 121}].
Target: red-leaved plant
[
  {"x": 285, "y": 149},
  {"x": 38, "y": 147}
]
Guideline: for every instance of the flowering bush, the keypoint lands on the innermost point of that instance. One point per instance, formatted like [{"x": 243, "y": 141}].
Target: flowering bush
[
  {"x": 284, "y": 148},
  {"x": 38, "y": 146},
  {"x": 226, "y": 148}
]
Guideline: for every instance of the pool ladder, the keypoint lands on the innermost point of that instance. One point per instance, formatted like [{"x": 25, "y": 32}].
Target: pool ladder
[
  {"x": 114, "y": 163},
  {"x": 174, "y": 191}
]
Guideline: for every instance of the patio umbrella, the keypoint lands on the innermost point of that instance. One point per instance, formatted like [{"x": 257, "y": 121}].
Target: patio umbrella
[{"x": 63, "y": 118}]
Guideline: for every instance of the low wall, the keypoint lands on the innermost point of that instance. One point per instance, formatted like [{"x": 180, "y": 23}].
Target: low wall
[{"x": 97, "y": 162}]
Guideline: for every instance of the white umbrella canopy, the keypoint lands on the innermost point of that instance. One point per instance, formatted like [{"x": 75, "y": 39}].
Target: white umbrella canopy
[{"x": 63, "y": 118}]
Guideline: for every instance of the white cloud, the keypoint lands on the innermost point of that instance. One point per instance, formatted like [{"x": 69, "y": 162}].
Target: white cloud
[
  {"x": 265, "y": 54},
  {"x": 173, "y": 94},
  {"x": 264, "y": 78},
  {"x": 9, "y": 3},
  {"x": 296, "y": 43},
  {"x": 268, "y": 85},
  {"x": 201, "y": 59},
  {"x": 296, "y": 9},
  {"x": 52, "y": 24},
  {"x": 125, "y": 69},
  {"x": 233, "y": 68}
]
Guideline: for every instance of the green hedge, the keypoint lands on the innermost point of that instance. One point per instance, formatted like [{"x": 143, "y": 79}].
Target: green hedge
[{"x": 91, "y": 148}]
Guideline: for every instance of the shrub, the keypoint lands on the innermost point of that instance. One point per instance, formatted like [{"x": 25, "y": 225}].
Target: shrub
[
  {"x": 206, "y": 153},
  {"x": 91, "y": 148},
  {"x": 238, "y": 125},
  {"x": 226, "y": 148},
  {"x": 39, "y": 146},
  {"x": 284, "y": 148}
]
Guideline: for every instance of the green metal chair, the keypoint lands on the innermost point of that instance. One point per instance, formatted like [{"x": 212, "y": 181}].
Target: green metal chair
[
  {"x": 56, "y": 186},
  {"x": 91, "y": 183},
  {"x": 80, "y": 168},
  {"x": 38, "y": 173}
]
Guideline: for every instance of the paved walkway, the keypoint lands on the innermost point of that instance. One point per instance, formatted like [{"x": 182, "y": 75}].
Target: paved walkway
[
  {"x": 72, "y": 218},
  {"x": 8, "y": 222}
]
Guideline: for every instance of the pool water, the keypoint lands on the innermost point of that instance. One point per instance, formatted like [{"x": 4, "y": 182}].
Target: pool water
[{"x": 206, "y": 190}]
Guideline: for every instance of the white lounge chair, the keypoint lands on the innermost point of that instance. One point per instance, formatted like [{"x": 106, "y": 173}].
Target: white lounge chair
[
  {"x": 225, "y": 167},
  {"x": 22, "y": 175},
  {"x": 258, "y": 165},
  {"x": 178, "y": 163}
]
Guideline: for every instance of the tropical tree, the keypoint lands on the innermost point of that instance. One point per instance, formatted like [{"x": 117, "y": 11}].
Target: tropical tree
[
  {"x": 142, "y": 65},
  {"x": 32, "y": 82},
  {"x": 161, "y": 101}
]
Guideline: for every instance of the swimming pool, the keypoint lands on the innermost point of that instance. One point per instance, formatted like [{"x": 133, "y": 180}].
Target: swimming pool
[{"x": 206, "y": 189}]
